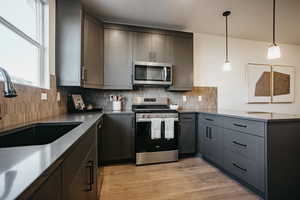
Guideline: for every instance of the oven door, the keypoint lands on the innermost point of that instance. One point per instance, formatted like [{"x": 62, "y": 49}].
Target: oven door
[
  {"x": 147, "y": 73},
  {"x": 144, "y": 143}
]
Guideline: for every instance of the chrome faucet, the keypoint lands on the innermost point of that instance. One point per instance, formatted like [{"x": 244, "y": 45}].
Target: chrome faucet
[{"x": 9, "y": 89}]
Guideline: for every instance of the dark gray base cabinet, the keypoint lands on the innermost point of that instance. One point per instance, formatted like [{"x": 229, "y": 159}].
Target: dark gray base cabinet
[
  {"x": 228, "y": 142},
  {"x": 262, "y": 154},
  {"x": 72, "y": 177},
  {"x": 187, "y": 136},
  {"x": 118, "y": 137}
]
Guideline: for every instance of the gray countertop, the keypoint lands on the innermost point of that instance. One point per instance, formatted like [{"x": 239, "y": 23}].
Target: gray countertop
[
  {"x": 258, "y": 116},
  {"x": 118, "y": 112},
  {"x": 21, "y": 166}
]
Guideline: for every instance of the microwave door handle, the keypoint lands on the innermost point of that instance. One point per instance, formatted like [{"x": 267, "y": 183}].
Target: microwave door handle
[{"x": 165, "y": 70}]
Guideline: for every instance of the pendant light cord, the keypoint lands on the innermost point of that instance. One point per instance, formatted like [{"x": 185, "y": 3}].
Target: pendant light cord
[
  {"x": 274, "y": 22},
  {"x": 226, "y": 38}
]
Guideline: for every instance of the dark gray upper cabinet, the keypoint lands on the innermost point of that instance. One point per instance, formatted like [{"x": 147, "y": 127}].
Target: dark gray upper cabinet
[
  {"x": 79, "y": 60},
  {"x": 187, "y": 137},
  {"x": 118, "y": 137},
  {"x": 152, "y": 47},
  {"x": 117, "y": 59},
  {"x": 183, "y": 63},
  {"x": 162, "y": 48},
  {"x": 93, "y": 54},
  {"x": 142, "y": 43}
]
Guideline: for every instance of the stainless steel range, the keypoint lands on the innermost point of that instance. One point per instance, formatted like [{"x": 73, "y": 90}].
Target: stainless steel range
[{"x": 156, "y": 132}]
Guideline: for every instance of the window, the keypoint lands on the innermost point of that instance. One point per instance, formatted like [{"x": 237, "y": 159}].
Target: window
[{"x": 23, "y": 41}]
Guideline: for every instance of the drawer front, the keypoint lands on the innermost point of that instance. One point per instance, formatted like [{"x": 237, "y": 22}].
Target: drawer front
[
  {"x": 244, "y": 169},
  {"x": 248, "y": 146},
  {"x": 240, "y": 167},
  {"x": 187, "y": 117},
  {"x": 211, "y": 119},
  {"x": 247, "y": 126}
]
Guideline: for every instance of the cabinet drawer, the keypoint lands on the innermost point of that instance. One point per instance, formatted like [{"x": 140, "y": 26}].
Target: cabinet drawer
[
  {"x": 211, "y": 119},
  {"x": 248, "y": 146},
  {"x": 244, "y": 169},
  {"x": 187, "y": 117},
  {"x": 247, "y": 126}
]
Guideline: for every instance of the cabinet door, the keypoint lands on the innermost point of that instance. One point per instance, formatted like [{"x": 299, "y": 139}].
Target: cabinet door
[
  {"x": 213, "y": 143},
  {"x": 117, "y": 59},
  {"x": 92, "y": 177},
  {"x": 161, "y": 48},
  {"x": 118, "y": 137},
  {"x": 200, "y": 136},
  {"x": 76, "y": 168},
  {"x": 142, "y": 47},
  {"x": 51, "y": 189},
  {"x": 187, "y": 140},
  {"x": 92, "y": 67},
  {"x": 183, "y": 63}
]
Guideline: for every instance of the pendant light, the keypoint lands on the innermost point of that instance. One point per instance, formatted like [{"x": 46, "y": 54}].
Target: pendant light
[
  {"x": 274, "y": 50},
  {"x": 227, "y": 65}
]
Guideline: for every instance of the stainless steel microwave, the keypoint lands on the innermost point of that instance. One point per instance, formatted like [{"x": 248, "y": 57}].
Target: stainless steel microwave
[{"x": 152, "y": 73}]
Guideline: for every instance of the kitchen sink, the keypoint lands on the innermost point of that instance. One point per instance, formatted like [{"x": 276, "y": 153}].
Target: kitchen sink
[{"x": 35, "y": 134}]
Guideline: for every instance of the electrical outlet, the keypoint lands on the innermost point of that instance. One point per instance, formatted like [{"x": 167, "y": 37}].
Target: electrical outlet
[
  {"x": 199, "y": 98},
  {"x": 44, "y": 96},
  {"x": 184, "y": 99},
  {"x": 58, "y": 96}
]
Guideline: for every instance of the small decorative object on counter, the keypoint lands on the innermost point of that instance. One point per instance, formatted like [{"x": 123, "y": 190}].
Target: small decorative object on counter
[{"x": 116, "y": 102}]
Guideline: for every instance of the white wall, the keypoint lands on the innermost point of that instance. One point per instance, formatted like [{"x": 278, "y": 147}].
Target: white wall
[{"x": 209, "y": 56}]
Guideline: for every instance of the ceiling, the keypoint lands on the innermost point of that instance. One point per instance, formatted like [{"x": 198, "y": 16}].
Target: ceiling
[{"x": 250, "y": 19}]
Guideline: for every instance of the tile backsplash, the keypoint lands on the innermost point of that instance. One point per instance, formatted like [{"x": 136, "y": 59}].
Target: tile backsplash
[
  {"x": 100, "y": 98},
  {"x": 28, "y": 106}
]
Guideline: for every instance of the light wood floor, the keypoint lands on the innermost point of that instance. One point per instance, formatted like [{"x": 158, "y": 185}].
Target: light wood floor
[{"x": 188, "y": 179}]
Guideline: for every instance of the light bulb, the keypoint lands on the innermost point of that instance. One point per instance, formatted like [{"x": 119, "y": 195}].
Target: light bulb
[
  {"x": 227, "y": 66},
  {"x": 274, "y": 52}
]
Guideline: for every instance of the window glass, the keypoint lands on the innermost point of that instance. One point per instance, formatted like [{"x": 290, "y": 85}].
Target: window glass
[
  {"x": 19, "y": 57},
  {"x": 23, "y": 14}
]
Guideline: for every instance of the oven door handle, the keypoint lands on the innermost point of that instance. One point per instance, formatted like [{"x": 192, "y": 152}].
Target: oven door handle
[
  {"x": 149, "y": 119},
  {"x": 165, "y": 71}
]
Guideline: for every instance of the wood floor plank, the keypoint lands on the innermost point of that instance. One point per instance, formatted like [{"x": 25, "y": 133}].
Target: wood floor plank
[{"x": 188, "y": 179}]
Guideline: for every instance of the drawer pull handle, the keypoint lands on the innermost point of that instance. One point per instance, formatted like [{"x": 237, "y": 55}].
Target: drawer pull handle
[
  {"x": 209, "y": 119},
  {"x": 237, "y": 166},
  {"x": 240, "y": 144},
  {"x": 240, "y": 125}
]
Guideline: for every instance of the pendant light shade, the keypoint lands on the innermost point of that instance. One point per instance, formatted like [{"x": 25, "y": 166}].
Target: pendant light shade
[
  {"x": 274, "y": 50},
  {"x": 227, "y": 65}
]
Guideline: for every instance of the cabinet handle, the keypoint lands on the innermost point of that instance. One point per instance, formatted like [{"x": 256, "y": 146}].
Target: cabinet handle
[
  {"x": 210, "y": 133},
  {"x": 239, "y": 167},
  {"x": 83, "y": 73},
  {"x": 240, "y": 125},
  {"x": 91, "y": 170},
  {"x": 206, "y": 132},
  {"x": 240, "y": 144},
  {"x": 208, "y": 119},
  {"x": 132, "y": 122}
]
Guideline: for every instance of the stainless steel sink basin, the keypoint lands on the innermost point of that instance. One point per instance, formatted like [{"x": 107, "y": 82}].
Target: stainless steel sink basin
[{"x": 35, "y": 134}]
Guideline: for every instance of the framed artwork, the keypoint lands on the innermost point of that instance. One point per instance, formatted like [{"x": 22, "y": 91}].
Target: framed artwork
[{"x": 270, "y": 83}]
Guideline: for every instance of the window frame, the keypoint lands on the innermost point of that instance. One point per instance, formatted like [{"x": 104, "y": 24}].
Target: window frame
[{"x": 40, "y": 43}]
